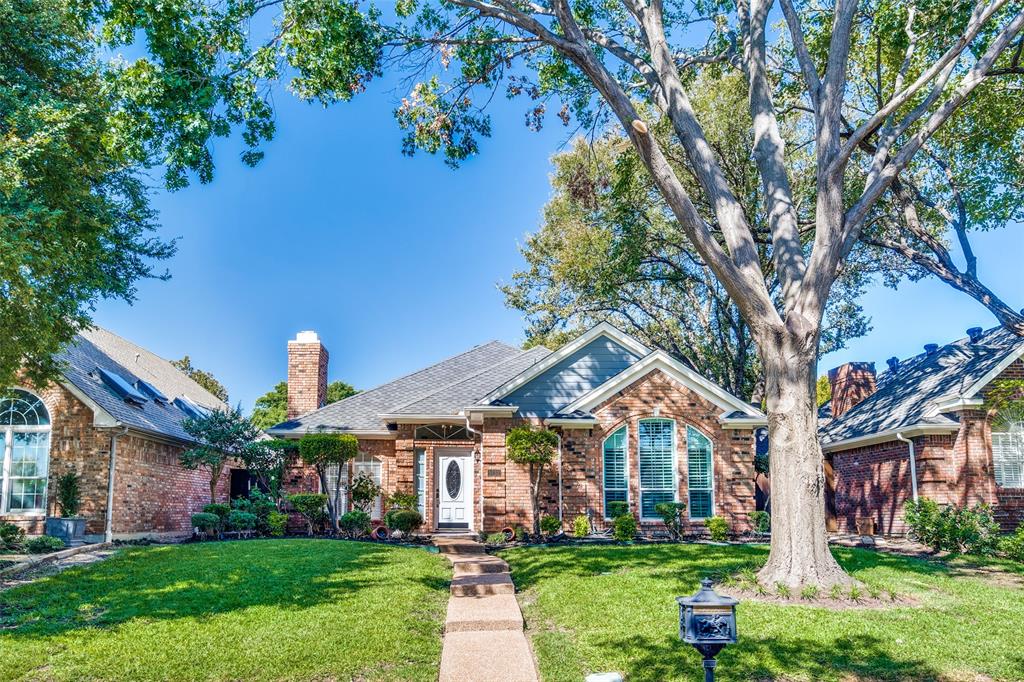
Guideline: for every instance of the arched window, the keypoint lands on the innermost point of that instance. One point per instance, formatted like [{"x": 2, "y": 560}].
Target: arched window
[
  {"x": 657, "y": 450},
  {"x": 616, "y": 469},
  {"x": 25, "y": 444},
  {"x": 700, "y": 475},
  {"x": 1008, "y": 454}
]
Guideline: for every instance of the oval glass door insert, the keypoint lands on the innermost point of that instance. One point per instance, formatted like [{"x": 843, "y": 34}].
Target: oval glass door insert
[{"x": 453, "y": 479}]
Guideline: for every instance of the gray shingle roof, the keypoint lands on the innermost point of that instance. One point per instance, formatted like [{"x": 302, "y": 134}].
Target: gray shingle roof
[
  {"x": 442, "y": 388},
  {"x": 98, "y": 348},
  {"x": 910, "y": 394}
]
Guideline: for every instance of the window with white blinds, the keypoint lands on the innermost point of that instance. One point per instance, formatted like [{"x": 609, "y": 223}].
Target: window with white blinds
[
  {"x": 699, "y": 474},
  {"x": 1008, "y": 456},
  {"x": 370, "y": 466},
  {"x": 657, "y": 447},
  {"x": 332, "y": 473},
  {"x": 616, "y": 478},
  {"x": 420, "y": 476}
]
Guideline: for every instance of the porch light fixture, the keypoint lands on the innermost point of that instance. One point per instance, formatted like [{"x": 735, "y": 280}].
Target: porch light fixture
[{"x": 707, "y": 621}]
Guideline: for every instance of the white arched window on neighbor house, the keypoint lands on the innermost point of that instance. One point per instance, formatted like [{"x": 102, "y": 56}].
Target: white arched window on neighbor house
[
  {"x": 25, "y": 444},
  {"x": 1008, "y": 454},
  {"x": 616, "y": 469},
  {"x": 657, "y": 450},
  {"x": 700, "y": 475}
]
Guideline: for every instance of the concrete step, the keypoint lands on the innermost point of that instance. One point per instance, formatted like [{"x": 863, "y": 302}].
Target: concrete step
[
  {"x": 483, "y": 614},
  {"x": 475, "y": 565},
  {"x": 461, "y": 548},
  {"x": 482, "y": 584},
  {"x": 486, "y": 657}
]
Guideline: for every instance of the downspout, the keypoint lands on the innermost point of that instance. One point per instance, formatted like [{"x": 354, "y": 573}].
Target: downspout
[
  {"x": 560, "y": 476},
  {"x": 913, "y": 465},
  {"x": 108, "y": 531},
  {"x": 470, "y": 429}
]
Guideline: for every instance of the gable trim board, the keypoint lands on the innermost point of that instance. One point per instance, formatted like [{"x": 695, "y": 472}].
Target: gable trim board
[{"x": 984, "y": 381}]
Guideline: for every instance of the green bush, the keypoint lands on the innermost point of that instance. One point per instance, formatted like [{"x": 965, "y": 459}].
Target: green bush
[
  {"x": 221, "y": 510},
  {"x": 206, "y": 522},
  {"x": 968, "y": 530},
  {"x": 624, "y": 527},
  {"x": 69, "y": 494},
  {"x": 581, "y": 526},
  {"x": 311, "y": 506},
  {"x": 241, "y": 520},
  {"x": 520, "y": 534},
  {"x": 495, "y": 539},
  {"x": 11, "y": 536},
  {"x": 617, "y": 509},
  {"x": 355, "y": 523},
  {"x": 718, "y": 527},
  {"x": 673, "y": 515},
  {"x": 1012, "y": 546},
  {"x": 762, "y": 521},
  {"x": 403, "y": 500},
  {"x": 550, "y": 525},
  {"x": 363, "y": 491},
  {"x": 43, "y": 544},
  {"x": 276, "y": 524},
  {"x": 405, "y": 520}
]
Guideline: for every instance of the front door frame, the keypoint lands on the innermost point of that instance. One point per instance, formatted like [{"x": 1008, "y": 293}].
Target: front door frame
[{"x": 465, "y": 454}]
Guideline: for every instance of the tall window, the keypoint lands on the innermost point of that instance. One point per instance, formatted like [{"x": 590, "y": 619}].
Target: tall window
[
  {"x": 25, "y": 445},
  {"x": 370, "y": 466},
  {"x": 420, "y": 480},
  {"x": 1008, "y": 455},
  {"x": 332, "y": 473},
  {"x": 700, "y": 477},
  {"x": 616, "y": 480},
  {"x": 657, "y": 464}
]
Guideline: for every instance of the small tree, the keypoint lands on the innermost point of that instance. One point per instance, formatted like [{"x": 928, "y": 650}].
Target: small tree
[
  {"x": 534, "y": 448},
  {"x": 266, "y": 460},
  {"x": 363, "y": 491},
  {"x": 69, "y": 494},
  {"x": 219, "y": 436},
  {"x": 322, "y": 451}
]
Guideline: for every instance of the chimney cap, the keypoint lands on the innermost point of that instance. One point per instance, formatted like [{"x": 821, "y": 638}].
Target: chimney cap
[
  {"x": 306, "y": 337},
  {"x": 974, "y": 333},
  {"x": 931, "y": 348}
]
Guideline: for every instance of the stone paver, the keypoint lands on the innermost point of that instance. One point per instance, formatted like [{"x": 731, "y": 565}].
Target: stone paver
[{"x": 483, "y": 631}]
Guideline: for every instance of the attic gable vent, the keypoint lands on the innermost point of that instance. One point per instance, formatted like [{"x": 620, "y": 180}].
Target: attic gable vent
[{"x": 121, "y": 388}]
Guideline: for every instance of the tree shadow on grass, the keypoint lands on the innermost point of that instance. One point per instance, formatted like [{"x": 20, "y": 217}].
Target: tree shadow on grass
[{"x": 203, "y": 580}]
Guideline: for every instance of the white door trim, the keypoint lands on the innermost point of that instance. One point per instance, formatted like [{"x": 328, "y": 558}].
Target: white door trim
[{"x": 465, "y": 455}]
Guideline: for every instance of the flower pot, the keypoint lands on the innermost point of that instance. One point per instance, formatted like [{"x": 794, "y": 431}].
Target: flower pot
[{"x": 70, "y": 530}]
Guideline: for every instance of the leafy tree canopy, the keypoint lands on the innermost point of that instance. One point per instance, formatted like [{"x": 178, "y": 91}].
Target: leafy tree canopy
[
  {"x": 201, "y": 377},
  {"x": 220, "y": 435},
  {"x": 272, "y": 407}
]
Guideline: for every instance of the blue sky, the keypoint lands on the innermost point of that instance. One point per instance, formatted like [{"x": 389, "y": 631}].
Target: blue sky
[{"x": 395, "y": 261}]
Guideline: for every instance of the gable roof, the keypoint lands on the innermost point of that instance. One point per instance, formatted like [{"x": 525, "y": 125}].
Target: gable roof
[
  {"x": 96, "y": 349},
  {"x": 925, "y": 390}
]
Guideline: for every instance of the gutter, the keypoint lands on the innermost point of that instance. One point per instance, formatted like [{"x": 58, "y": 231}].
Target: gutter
[
  {"x": 108, "y": 529},
  {"x": 913, "y": 464}
]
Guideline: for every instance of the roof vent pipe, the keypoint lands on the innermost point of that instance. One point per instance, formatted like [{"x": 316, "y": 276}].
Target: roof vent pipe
[
  {"x": 931, "y": 348},
  {"x": 974, "y": 334},
  {"x": 894, "y": 363}
]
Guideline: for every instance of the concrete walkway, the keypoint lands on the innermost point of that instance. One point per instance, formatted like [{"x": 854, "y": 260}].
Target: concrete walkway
[{"x": 483, "y": 632}]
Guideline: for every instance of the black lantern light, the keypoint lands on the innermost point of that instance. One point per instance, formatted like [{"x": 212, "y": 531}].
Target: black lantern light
[{"x": 707, "y": 620}]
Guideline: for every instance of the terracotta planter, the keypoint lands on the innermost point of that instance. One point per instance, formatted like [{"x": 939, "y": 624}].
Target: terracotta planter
[{"x": 71, "y": 530}]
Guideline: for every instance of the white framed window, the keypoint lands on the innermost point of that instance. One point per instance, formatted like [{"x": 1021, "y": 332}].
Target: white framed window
[
  {"x": 1008, "y": 455},
  {"x": 700, "y": 475},
  {"x": 370, "y": 466},
  {"x": 657, "y": 450},
  {"x": 419, "y": 474},
  {"x": 25, "y": 446},
  {"x": 616, "y": 469},
  {"x": 332, "y": 472}
]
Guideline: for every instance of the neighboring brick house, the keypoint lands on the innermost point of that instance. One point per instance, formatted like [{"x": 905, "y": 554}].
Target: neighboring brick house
[
  {"x": 635, "y": 425},
  {"x": 114, "y": 417},
  {"x": 929, "y": 410}
]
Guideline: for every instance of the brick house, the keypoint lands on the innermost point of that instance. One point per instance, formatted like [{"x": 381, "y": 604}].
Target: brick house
[
  {"x": 635, "y": 425},
  {"x": 114, "y": 417},
  {"x": 921, "y": 428}
]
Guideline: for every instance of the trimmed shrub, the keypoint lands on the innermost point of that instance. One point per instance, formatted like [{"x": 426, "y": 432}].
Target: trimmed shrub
[
  {"x": 355, "y": 523},
  {"x": 581, "y": 526},
  {"x": 241, "y": 520},
  {"x": 762, "y": 521},
  {"x": 221, "y": 510},
  {"x": 363, "y": 492},
  {"x": 968, "y": 530},
  {"x": 311, "y": 506},
  {"x": 11, "y": 536},
  {"x": 43, "y": 544},
  {"x": 276, "y": 524},
  {"x": 495, "y": 539},
  {"x": 718, "y": 528},
  {"x": 206, "y": 522},
  {"x": 69, "y": 494},
  {"x": 520, "y": 534},
  {"x": 403, "y": 500},
  {"x": 1012, "y": 546},
  {"x": 550, "y": 525},
  {"x": 624, "y": 528},
  {"x": 672, "y": 514},
  {"x": 405, "y": 520},
  {"x": 617, "y": 509}
]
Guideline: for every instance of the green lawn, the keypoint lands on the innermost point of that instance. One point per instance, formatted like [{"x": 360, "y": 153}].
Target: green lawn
[
  {"x": 591, "y": 609},
  {"x": 263, "y": 610}
]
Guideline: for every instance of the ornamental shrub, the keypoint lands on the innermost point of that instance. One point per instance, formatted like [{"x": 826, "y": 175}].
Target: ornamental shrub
[
  {"x": 968, "y": 530},
  {"x": 672, "y": 514},
  {"x": 496, "y": 539},
  {"x": 69, "y": 494},
  {"x": 762, "y": 521},
  {"x": 718, "y": 528},
  {"x": 617, "y": 509},
  {"x": 43, "y": 544},
  {"x": 520, "y": 534},
  {"x": 550, "y": 525},
  {"x": 206, "y": 522},
  {"x": 311, "y": 506},
  {"x": 241, "y": 520},
  {"x": 363, "y": 491},
  {"x": 276, "y": 524},
  {"x": 1012, "y": 546},
  {"x": 581, "y": 526},
  {"x": 324, "y": 451},
  {"x": 536, "y": 449},
  {"x": 11, "y": 536},
  {"x": 354, "y": 524},
  {"x": 405, "y": 520},
  {"x": 624, "y": 527},
  {"x": 403, "y": 500},
  {"x": 221, "y": 510}
]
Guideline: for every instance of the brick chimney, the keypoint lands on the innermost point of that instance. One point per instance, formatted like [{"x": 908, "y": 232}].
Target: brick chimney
[
  {"x": 851, "y": 383},
  {"x": 307, "y": 374}
]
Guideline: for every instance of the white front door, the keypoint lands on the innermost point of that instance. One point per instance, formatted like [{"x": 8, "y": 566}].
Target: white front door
[{"x": 455, "y": 488}]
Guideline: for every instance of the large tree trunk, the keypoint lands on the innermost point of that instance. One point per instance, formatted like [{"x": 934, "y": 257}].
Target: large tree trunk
[{"x": 799, "y": 546}]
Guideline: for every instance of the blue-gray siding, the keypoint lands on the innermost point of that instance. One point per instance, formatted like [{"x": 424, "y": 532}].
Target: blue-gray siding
[{"x": 583, "y": 371}]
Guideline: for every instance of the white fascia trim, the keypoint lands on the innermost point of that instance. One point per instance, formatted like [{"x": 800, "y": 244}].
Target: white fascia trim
[
  {"x": 477, "y": 413},
  {"x": 295, "y": 434},
  {"x": 890, "y": 434},
  {"x": 994, "y": 372},
  {"x": 423, "y": 418},
  {"x": 728, "y": 422},
  {"x": 100, "y": 417},
  {"x": 955, "y": 405},
  {"x": 661, "y": 360},
  {"x": 602, "y": 329},
  {"x": 568, "y": 423}
]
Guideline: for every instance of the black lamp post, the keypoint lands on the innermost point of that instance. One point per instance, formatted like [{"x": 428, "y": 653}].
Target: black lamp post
[{"x": 707, "y": 620}]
